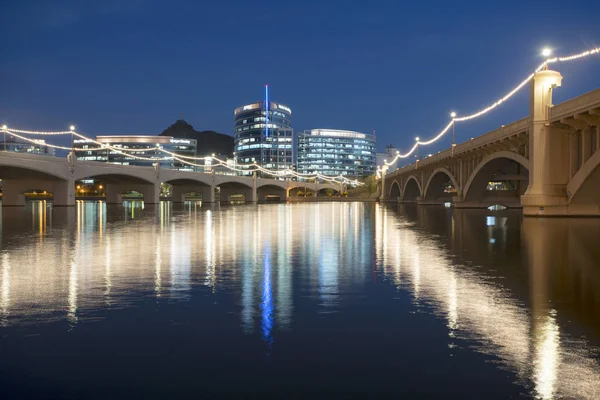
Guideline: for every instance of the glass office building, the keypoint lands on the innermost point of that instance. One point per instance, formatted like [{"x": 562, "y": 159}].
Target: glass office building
[
  {"x": 145, "y": 146},
  {"x": 18, "y": 145},
  {"x": 263, "y": 136},
  {"x": 334, "y": 152}
]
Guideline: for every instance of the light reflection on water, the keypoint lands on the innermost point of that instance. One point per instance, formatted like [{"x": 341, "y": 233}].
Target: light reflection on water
[
  {"x": 524, "y": 293},
  {"x": 478, "y": 309}
]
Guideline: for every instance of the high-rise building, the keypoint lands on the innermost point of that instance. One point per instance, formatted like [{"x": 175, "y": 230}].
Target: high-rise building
[
  {"x": 263, "y": 134},
  {"x": 335, "y": 152}
]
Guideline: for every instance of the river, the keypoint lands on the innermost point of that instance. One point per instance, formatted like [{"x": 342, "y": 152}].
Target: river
[{"x": 308, "y": 300}]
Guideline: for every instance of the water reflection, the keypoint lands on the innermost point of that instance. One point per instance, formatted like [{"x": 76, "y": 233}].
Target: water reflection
[
  {"x": 523, "y": 292},
  {"x": 467, "y": 293}
]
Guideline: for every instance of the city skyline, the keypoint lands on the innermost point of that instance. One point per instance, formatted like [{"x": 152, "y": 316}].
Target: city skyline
[{"x": 359, "y": 63}]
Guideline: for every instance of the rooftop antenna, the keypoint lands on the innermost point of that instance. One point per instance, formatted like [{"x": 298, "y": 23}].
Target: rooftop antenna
[
  {"x": 181, "y": 116},
  {"x": 267, "y": 109}
]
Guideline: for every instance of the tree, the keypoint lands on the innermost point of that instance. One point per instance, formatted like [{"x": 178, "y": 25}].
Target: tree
[{"x": 370, "y": 184}]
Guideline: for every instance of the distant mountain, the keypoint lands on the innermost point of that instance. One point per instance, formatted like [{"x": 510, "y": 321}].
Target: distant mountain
[{"x": 208, "y": 142}]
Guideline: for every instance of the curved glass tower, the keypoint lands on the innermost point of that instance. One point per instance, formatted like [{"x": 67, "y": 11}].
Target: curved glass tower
[
  {"x": 335, "y": 152},
  {"x": 263, "y": 135}
]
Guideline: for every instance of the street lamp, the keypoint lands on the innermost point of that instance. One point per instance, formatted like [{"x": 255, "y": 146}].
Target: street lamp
[
  {"x": 72, "y": 128},
  {"x": 546, "y": 52},
  {"x": 417, "y": 152},
  {"x": 4, "y": 128},
  {"x": 453, "y": 115}
]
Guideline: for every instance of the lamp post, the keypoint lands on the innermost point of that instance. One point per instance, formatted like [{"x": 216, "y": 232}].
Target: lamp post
[
  {"x": 453, "y": 115},
  {"x": 546, "y": 52},
  {"x": 4, "y": 128},
  {"x": 72, "y": 129},
  {"x": 417, "y": 154}
]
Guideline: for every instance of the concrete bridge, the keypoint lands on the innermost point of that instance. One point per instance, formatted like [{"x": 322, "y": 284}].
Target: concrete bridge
[
  {"x": 547, "y": 163},
  {"x": 22, "y": 173}
]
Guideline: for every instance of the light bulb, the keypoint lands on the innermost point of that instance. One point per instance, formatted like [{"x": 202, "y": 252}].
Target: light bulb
[{"x": 547, "y": 52}]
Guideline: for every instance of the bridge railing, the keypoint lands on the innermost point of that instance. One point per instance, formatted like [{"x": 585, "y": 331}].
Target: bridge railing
[
  {"x": 470, "y": 145},
  {"x": 577, "y": 105}
]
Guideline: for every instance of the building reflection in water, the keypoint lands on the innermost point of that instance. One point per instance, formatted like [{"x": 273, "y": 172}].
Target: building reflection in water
[
  {"x": 5, "y": 290},
  {"x": 467, "y": 293},
  {"x": 267, "y": 299}
]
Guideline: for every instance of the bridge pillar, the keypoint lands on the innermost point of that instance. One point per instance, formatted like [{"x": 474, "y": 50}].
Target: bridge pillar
[
  {"x": 254, "y": 193},
  {"x": 383, "y": 196},
  {"x": 151, "y": 193},
  {"x": 208, "y": 194},
  {"x": 113, "y": 194},
  {"x": 178, "y": 193},
  {"x": 64, "y": 193},
  {"x": 549, "y": 153}
]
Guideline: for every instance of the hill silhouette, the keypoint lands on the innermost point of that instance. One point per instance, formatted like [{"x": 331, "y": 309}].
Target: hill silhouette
[{"x": 208, "y": 142}]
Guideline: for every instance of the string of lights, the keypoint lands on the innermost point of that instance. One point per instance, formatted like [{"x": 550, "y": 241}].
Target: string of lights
[
  {"x": 36, "y": 132},
  {"x": 256, "y": 167},
  {"x": 494, "y": 105},
  {"x": 37, "y": 141},
  {"x": 172, "y": 156}
]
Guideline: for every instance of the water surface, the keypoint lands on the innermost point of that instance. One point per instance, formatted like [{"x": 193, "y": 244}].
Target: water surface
[{"x": 316, "y": 300}]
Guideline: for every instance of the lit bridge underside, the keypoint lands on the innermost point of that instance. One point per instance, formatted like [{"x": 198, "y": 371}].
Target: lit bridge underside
[{"x": 547, "y": 163}]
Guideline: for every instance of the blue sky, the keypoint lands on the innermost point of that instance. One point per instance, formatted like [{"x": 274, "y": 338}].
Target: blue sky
[{"x": 132, "y": 67}]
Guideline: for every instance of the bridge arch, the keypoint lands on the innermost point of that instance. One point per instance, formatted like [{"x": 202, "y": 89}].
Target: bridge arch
[
  {"x": 324, "y": 191},
  {"x": 412, "y": 189},
  {"x": 232, "y": 190},
  {"x": 271, "y": 182},
  {"x": 23, "y": 173},
  {"x": 271, "y": 193},
  {"x": 475, "y": 188},
  {"x": 433, "y": 187},
  {"x": 14, "y": 168},
  {"x": 182, "y": 187},
  {"x": 583, "y": 187},
  {"x": 394, "y": 194}
]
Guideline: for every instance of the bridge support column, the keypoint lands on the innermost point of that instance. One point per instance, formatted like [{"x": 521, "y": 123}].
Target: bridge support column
[
  {"x": 178, "y": 193},
  {"x": 253, "y": 198},
  {"x": 113, "y": 195},
  {"x": 208, "y": 194},
  {"x": 549, "y": 153},
  {"x": 64, "y": 193},
  {"x": 151, "y": 193},
  {"x": 383, "y": 196},
  {"x": 13, "y": 191}
]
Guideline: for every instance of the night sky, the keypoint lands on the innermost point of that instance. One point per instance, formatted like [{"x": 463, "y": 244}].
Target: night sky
[{"x": 397, "y": 67}]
